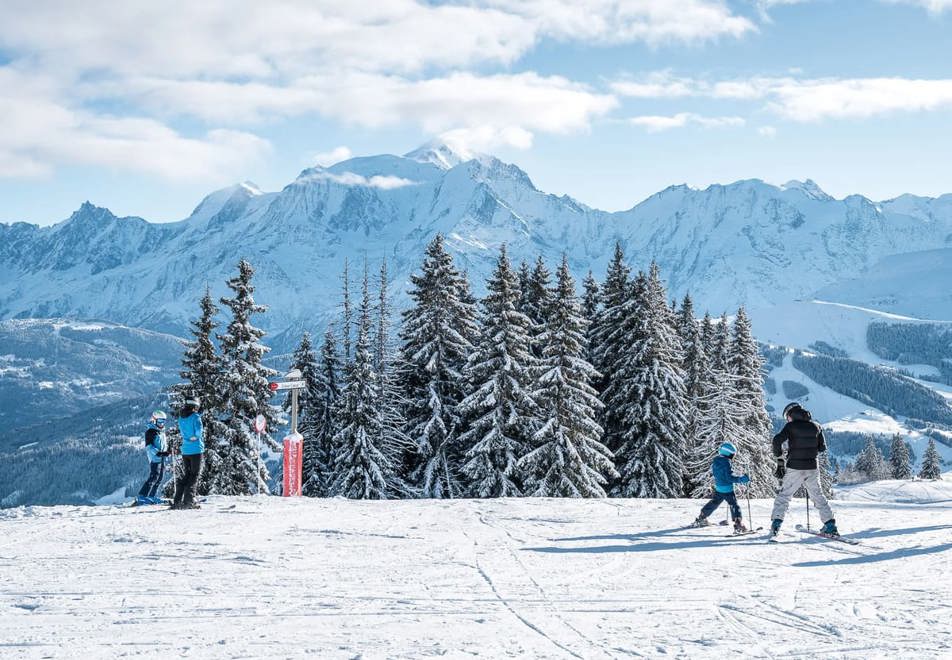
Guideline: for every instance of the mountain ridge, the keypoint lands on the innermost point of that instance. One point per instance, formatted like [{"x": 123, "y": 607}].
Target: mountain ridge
[{"x": 747, "y": 242}]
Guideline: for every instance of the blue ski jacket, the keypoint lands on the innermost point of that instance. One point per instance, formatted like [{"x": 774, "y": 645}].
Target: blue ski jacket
[
  {"x": 193, "y": 439},
  {"x": 724, "y": 478},
  {"x": 155, "y": 444}
]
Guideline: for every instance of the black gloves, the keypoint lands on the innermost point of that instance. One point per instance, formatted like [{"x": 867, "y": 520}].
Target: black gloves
[{"x": 781, "y": 469}]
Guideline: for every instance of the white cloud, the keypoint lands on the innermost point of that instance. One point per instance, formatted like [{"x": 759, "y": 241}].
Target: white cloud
[
  {"x": 932, "y": 6},
  {"x": 658, "y": 123},
  {"x": 234, "y": 63},
  {"x": 767, "y": 131},
  {"x": 351, "y": 179},
  {"x": 525, "y": 100},
  {"x": 616, "y": 21},
  {"x": 467, "y": 142},
  {"x": 659, "y": 84},
  {"x": 335, "y": 155},
  {"x": 804, "y": 100},
  {"x": 813, "y": 100},
  {"x": 40, "y": 132}
]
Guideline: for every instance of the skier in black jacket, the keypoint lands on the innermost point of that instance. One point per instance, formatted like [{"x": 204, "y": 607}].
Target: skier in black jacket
[{"x": 804, "y": 440}]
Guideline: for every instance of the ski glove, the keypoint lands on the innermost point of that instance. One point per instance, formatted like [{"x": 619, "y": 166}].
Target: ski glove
[
  {"x": 781, "y": 469},
  {"x": 744, "y": 480}
]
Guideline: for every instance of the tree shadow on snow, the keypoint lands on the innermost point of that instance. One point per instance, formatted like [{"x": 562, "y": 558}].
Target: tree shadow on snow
[{"x": 900, "y": 553}]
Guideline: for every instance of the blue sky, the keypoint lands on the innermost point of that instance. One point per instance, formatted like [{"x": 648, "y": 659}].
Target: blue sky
[{"x": 146, "y": 108}]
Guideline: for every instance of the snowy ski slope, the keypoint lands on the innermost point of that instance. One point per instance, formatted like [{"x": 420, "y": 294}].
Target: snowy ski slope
[{"x": 274, "y": 578}]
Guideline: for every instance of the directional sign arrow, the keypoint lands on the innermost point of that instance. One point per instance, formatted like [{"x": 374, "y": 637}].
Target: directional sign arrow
[{"x": 288, "y": 385}]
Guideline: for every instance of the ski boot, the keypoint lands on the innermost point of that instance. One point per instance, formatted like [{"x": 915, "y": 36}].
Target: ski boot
[
  {"x": 191, "y": 505},
  {"x": 739, "y": 526},
  {"x": 829, "y": 528},
  {"x": 775, "y": 527},
  {"x": 700, "y": 521}
]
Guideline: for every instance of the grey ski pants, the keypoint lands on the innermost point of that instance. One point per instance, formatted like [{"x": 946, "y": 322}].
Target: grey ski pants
[{"x": 792, "y": 481}]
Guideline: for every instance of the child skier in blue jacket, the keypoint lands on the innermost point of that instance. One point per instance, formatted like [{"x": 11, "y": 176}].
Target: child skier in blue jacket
[
  {"x": 724, "y": 481},
  {"x": 157, "y": 449}
]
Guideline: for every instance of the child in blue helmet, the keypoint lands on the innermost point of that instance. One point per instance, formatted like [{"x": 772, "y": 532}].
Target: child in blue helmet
[
  {"x": 157, "y": 450},
  {"x": 724, "y": 481}
]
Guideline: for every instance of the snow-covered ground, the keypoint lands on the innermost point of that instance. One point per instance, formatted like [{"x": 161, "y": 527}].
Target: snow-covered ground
[
  {"x": 900, "y": 491},
  {"x": 270, "y": 577}
]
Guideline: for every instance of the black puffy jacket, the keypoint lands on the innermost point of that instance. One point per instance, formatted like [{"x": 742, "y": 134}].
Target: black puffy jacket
[{"x": 804, "y": 439}]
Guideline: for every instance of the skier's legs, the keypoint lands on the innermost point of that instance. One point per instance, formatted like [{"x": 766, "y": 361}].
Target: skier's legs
[
  {"x": 731, "y": 500},
  {"x": 193, "y": 467},
  {"x": 792, "y": 480},
  {"x": 151, "y": 482},
  {"x": 158, "y": 469},
  {"x": 180, "y": 482},
  {"x": 815, "y": 491},
  {"x": 714, "y": 502}
]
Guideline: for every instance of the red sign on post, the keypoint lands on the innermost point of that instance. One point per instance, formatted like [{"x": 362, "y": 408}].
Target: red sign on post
[{"x": 293, "y": 462}]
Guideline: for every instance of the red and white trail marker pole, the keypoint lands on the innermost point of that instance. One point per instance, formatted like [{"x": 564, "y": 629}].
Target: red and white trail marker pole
[{"x": 293, "y": 443}]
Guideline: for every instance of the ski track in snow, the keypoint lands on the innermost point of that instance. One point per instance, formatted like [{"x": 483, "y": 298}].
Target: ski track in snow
[{"x": 499, "y": 579}]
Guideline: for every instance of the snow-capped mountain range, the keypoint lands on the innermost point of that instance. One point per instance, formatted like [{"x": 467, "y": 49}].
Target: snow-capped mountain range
[{"x": 748, "y": 242}]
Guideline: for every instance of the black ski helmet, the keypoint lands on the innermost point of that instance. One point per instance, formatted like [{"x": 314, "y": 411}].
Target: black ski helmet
[{"x": 790, "y": 407}]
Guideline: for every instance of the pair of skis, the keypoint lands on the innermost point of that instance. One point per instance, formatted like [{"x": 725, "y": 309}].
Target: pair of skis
[
  {"x": 831, "y": 537},
  {"x": 746, "y": 532}
]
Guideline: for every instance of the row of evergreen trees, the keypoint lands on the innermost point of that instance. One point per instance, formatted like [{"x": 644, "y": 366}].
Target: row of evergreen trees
[
  {"x": 534, "y": 390},
  {"x": 872, "y": 465}
]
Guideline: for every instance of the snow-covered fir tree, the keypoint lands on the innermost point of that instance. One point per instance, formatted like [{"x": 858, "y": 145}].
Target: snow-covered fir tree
[
  {"x": 931, "y": 462},
  {"x": 870, "y": 462},
  {"x": 687, "y": 323},
  {"x": 537, "y": 301},
  {"x": 567, "y": 458},
  {"x": 436, "y": 335},
  {"x": 319, "y": 445},
  {"x": 900, "y": 462},
  {"x": 468, "y": 300},
  {"x": 720, "y": 350},
  {"x": 648, "y": 384},
  {"x": 701, "y": 436},
  {"x": 753, "y": 441},
  {"x": 525, "y": 287},
  {"x": 607, "y": 340},
  {"x": 347, "y": 314},
  {"x": 201, "y": 376},
  {"x": 500, "y": 411},
  {"x": 305, "y": 361},
  {"x": 245, "y": 392},
  {"x": 591, "y": 298},
  {"x": 362, "y": 469}
]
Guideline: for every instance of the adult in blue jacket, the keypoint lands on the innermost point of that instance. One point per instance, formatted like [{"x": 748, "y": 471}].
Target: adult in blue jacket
[
  {"x": 724, "y": 481},
  {"x": 157, "y": 450},
  {"x": 193, "y": 448}
]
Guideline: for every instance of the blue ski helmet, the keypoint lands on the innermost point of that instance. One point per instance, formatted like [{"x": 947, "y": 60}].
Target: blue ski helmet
[{"x": 727, "y": 449}]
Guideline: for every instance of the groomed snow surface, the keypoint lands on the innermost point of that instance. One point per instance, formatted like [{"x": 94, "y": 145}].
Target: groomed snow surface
[{"x": 268, "y": 577}]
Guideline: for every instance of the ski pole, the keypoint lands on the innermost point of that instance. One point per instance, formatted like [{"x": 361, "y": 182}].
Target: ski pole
[
  {"x": 750, "y": 518},
  {"x": 807, "y": 495}
]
